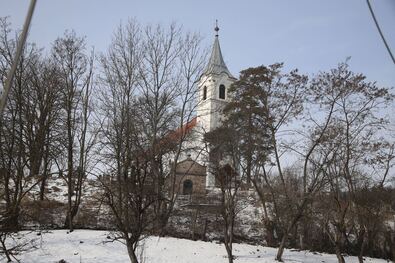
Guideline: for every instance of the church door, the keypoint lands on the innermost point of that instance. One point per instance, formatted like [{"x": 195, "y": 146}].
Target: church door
[{"x": 188, "y": 186}]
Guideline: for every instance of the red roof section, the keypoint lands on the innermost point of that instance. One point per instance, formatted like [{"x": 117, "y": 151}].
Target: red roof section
[{"x": 185, "y": 129}]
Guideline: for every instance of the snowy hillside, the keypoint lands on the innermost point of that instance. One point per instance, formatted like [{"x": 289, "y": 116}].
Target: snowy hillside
[{"x": 90, "y": 246}]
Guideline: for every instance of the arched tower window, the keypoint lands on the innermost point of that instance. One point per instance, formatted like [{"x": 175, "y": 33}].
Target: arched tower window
[
  {"x": 187, "y": 187},
  {"x": 222, "y": 91},
  {"x": 204, "y": 93}
]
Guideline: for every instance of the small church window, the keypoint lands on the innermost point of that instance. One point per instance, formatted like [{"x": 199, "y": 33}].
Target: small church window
[
  {"x": 222, "y": 92},
  {"x": 204, "y": 93},
  {"x": 187, "y": 187}
]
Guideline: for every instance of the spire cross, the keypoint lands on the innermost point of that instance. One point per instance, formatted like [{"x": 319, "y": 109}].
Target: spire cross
[{"x": 216, "y": 28}]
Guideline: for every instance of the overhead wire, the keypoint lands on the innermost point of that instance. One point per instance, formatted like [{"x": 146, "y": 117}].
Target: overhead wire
[
  {"x": 379, "y": 29},
  {"x": 18, "y": 53}
]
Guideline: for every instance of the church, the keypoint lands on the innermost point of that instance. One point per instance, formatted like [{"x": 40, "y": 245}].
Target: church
[{"x": 192, "y": 173}]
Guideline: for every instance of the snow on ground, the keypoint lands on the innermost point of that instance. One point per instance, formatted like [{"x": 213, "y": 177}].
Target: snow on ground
[{"x": 90, "y": 246}]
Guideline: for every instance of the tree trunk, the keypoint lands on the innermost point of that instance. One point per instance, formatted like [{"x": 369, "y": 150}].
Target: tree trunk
[
  {"x": 362, "y": 242},
  {"x": 70, "y": 218},
  {"x": 301, "y": 241},
  {"x": 45, "y": 175},
  {"x": 229, "y": 251},
  {"x": 269, "y": 226},
  {"x": 4, "y": 248},
  {"x": 249, "y": 166},
  {"x": 42, "y": 188},
  {"x": 339, "y": 255},
  {"x": 195, "y": 217},
  {"x": 228, "y": 239},
  {"x": 391, "y": 244},
  {"x": 268, "y": 223},
  {"x": 360, "y": 257},
  {"x": 288, "y": 230},
  {"x": 280, "y": 250},
  {"x": 205, "y": 230},
  {"x": 10, "y": 221},
  {"x": 131, "y": 251}
]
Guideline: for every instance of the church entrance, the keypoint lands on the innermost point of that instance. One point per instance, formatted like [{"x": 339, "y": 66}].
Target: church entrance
[{"x": 187, "y": 187}]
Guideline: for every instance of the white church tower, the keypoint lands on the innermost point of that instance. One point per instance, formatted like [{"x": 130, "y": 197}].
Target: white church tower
[{"x": 213, "y": 94}]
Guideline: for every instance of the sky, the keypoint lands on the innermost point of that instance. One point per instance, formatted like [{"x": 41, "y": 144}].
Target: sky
[{"x": 311, "y": 35}]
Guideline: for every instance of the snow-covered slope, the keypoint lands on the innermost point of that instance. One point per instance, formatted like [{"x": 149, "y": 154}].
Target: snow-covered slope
[{"x": 90, "y": 246}]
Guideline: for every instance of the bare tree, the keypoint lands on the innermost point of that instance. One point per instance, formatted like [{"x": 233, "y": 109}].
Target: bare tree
[
  {"x": 150, "y": 78},
  {"x": 125, "y": 191},
  {"x": 42, "y": 121},
  {"x": 225, "y": 158},
  {"x": 170, "y": 70},
  {"x": 158, "y": 97},
  {"x": 283, "y": 100},
  {"x": 357, "y": 152},
  {"x": 189, "y": 68},
  {"x": 75, "y": 73},
  {"x": 265, "y": 101},
  {"x": 18, "y": 175}
]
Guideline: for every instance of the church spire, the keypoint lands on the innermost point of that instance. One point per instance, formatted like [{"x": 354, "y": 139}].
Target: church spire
[{"x": 216, "y": 64}]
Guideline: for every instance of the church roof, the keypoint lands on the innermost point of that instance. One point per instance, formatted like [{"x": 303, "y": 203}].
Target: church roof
[
  {"x": 216, "y": 64},
  {"x": 190, "y": 167},
  {"x": 181, "y": 131}
]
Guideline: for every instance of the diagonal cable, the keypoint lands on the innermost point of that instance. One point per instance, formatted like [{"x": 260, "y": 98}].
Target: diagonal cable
[{"x": 381, "y": 33}]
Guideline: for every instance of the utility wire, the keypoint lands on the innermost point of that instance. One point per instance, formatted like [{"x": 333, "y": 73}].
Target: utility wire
[
  {"x": 381, "y": 33},
  {"x": 18, "y": 52}
]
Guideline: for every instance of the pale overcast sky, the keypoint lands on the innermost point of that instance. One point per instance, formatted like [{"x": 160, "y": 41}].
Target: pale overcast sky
[{"x": 311, "y": 35}]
